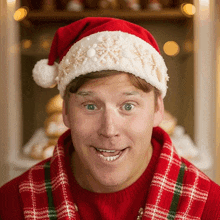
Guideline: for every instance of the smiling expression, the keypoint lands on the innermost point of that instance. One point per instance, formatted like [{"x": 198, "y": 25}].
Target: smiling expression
[{"x": 111, "y": 124}]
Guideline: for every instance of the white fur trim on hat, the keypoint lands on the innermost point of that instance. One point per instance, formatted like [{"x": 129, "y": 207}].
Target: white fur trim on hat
[
  {"x": 45, "y": 75},
  {"x": 113, "y": 50}
]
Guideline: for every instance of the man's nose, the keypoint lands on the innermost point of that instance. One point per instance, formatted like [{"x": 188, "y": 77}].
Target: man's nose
[{"x": 109, "y": 124}]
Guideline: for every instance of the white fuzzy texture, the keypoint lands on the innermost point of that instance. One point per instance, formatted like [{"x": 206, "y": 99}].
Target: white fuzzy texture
[
  {"x": 45, "y": 75},
  {"x": 107, "y": 50},
  {"x": 113, "y": 50}
]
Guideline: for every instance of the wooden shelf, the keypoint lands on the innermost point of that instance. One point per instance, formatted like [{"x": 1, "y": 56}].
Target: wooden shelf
[{"x": 166, "y": 14}]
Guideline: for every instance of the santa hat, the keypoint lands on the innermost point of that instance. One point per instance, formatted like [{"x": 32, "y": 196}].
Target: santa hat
[{"x": 96, "y": 44}]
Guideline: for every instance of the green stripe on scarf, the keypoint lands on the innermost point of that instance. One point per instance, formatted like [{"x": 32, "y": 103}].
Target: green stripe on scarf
[
  {"x": 177, "y": 192},
  {"x": 52, "y": 214}
]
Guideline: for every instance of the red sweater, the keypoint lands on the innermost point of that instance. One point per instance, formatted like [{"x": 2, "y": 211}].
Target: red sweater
[{"x": 97, "y": 206}]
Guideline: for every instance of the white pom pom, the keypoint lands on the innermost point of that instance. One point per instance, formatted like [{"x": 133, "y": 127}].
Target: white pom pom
[{"x": 45, "y": 75}]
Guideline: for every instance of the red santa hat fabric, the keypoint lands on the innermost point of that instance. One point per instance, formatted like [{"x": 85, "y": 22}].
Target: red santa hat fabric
[{"x": 96, "y": 44}]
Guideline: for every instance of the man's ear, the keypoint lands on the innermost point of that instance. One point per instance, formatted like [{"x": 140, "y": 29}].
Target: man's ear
[
  {"x": 159, "y": 111},
  {"x": 65, "y": 115}
]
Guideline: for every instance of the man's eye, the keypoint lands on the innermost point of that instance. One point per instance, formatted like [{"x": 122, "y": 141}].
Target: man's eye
[
  {"x": 90, "y": 107},
  {"x": 128, "y": 106}
]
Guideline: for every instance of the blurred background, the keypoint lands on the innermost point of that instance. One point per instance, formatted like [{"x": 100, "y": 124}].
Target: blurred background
[{"x": 187, "y": 32}]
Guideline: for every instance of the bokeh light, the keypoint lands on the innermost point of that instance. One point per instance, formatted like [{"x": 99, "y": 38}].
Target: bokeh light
[
  {"x": 26, "y": 44},
  {"x": 171, "y": 48},
  {"x": 188, "y": 46},
  {"x": 14, "y": 49},
  {"x": 20, "y": 14},
  {"x": 188, "y": 9},
  {"x": 45, "y": 44}
]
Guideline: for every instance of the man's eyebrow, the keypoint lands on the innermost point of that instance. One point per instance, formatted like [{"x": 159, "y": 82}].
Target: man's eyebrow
[
  {"x": 131, "y": 93},
  {"x": 90, "y": 93},
  {"x": 85, "y": 93}
]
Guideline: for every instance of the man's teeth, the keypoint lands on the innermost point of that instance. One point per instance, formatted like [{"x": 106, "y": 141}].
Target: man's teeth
[
  {"x": 106, "y": 154},
  {"x": 107, "y": 151},
  {"x": 109, "y": 158}
]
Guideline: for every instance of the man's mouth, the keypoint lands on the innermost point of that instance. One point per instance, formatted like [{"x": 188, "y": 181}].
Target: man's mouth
[{"x": 109, "y": 155}]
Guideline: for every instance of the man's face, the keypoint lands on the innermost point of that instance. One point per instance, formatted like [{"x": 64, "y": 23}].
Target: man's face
[{"x": 111, "y": 124}]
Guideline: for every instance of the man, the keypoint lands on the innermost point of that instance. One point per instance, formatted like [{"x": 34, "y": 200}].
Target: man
[{"x": 114, "y": 162}]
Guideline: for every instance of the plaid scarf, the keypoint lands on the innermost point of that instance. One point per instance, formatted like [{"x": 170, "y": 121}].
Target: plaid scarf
[{"x": 178, "y": 189}]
